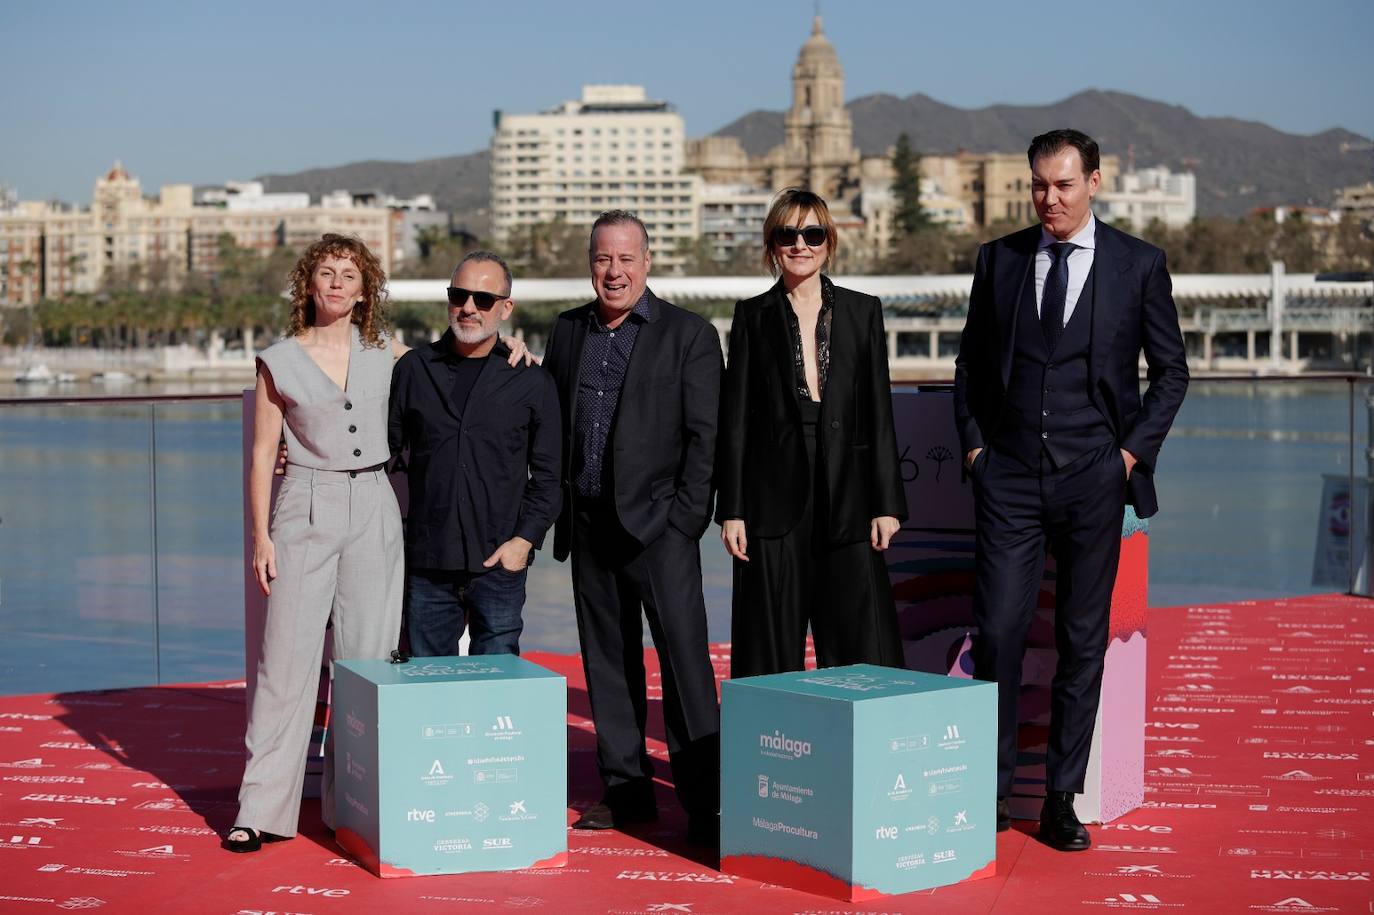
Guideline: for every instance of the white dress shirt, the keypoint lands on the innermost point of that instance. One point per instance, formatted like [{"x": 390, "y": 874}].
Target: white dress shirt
[{"x": 1080, "y": 262}]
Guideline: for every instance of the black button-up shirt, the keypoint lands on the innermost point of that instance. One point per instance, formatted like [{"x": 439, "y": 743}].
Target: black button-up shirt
[
  {"x": 484, "y": 463},
  {"x": 601, "y": 374},
  {"x": 463, "y": 374}
]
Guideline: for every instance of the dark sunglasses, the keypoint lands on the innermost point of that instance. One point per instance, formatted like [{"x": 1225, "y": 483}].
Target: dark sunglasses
[
  {"x": 786, "y": 236},
  {"x": 485, "y": 301}
]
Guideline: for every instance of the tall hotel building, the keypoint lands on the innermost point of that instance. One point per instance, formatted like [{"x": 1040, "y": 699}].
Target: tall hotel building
[{"x": 613, "y": 149}]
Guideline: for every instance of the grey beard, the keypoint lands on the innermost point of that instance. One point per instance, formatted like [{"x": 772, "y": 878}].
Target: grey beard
[{"x": 470, "y": 334}]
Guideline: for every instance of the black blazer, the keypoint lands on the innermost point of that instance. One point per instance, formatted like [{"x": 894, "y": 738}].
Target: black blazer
[
  {"x": 761, "y": 465},
  {"x": 474, "y": 484},
  {"x": 664, "y": 439},
  {"x": 1133, "y": 312}
]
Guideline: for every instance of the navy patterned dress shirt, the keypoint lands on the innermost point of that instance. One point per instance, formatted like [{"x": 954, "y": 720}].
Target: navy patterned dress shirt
[{"x": 600, "y": 376}]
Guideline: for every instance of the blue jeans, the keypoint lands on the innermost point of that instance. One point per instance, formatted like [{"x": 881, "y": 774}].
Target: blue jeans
[{"x": 439, "y": 603}]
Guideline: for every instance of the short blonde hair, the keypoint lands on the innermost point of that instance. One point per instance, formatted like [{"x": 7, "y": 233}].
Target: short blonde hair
[{"x": 790, "y": 202}]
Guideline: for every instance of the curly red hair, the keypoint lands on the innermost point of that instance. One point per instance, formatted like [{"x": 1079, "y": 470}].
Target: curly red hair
[{"x": 369, "y": 314}]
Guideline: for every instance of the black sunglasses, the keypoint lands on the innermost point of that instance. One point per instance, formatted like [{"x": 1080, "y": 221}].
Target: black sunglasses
[
  {"x": 786, "y": 236},
  {"x": 485, "y": 301}
]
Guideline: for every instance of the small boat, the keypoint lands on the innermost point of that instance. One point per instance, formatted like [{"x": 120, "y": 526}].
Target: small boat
[
  {"x": 115, "y": 377},
  {"x": 35, "y": 374}
]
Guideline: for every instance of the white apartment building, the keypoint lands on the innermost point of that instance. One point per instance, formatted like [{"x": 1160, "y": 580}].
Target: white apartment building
[
  {"x": 54, "y": 249},
  {"x": 249, "y": 196},
  {"x": 732, "y": 218},
  {"x": 1144, "y": 195},
  {"x": 613, "y": 149}
]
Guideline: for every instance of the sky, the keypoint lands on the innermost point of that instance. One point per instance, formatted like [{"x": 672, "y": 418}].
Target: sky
[{"x": 204, "y": 93}]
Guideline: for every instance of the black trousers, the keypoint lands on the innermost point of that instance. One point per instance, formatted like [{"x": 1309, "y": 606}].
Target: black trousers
[
  {"x": 1076, "y": 511},
  {"x": 842, "y": 590},
  {"x": 614, "y": 577}
]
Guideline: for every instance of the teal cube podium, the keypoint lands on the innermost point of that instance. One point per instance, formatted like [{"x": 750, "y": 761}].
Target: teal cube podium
[
  {"x": 450, "y": 765},
  {"x": 858, "y": 782}
]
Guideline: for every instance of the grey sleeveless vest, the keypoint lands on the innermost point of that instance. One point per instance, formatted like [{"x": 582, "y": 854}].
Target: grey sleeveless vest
[{"x": 326, "y": 428}]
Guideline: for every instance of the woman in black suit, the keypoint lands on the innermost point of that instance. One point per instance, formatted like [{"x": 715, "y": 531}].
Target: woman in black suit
[{"x": 809, "y": 489}]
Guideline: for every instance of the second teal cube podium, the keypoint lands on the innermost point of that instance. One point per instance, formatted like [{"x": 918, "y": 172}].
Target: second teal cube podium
[
  {"x": 450, "y": 765},
  {"x": 858, "y": 782}
]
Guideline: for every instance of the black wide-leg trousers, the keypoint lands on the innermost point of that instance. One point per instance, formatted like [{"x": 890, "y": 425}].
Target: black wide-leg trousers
[
  {"x": 1076, "y": 511},
  {"x": 841, "y": 590},
  {"x": 614, "y": 577}
]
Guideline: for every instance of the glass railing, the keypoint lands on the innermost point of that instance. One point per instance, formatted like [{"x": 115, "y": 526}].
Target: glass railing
[
  {"x": 121, "y": 532},
  {"x": 1255, "y": 491},
  {"x": 121, "y": 526}
]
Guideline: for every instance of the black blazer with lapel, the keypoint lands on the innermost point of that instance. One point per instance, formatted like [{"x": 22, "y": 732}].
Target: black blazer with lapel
[
  {"x": 761, "y": 466},
  {"x": 1133, "y": 312},
  {"x": 478, "y": 479},
  {"x": 663, "y": 443}
]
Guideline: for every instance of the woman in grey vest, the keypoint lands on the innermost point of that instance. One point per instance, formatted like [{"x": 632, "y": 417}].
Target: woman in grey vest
[{"x": 332, "y": 545}]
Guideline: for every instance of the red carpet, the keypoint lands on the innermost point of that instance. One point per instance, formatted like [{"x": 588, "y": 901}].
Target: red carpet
[{"x": 1260, "y": 793}]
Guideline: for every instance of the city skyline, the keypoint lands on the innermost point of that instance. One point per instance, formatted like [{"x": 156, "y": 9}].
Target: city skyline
[{"x": 203, "y": 96}]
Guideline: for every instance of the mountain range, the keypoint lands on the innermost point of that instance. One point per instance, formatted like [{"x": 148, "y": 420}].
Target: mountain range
[{"x": 1240, "y": 165}]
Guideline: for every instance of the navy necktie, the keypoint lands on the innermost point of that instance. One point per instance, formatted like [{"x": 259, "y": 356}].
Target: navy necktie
[{"x": 1055, "y": 293}]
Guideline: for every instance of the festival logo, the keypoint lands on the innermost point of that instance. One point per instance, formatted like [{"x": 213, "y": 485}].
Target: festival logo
[
  {"x": 436, "y": 777},
  {"x": 951, "y": 739},
  {"x": 300, "y": 890},
  {"x": 1145, "y": 902},
  {"x": 1298, "y": 775},
  {"x": 909, "y": 744},
  {"x": 447, "y": 731},
  {"x": 779, "y": 746},
  {"x": 155, "y": 853},
  {"x": 1286, "y": 874},
  {"x": 800, "y": 832},
  {"x": 1293, "y": 904},
  {"x": 517, "y": 813}
]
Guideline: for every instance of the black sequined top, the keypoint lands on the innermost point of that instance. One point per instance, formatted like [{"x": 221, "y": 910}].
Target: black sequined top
[{"x": 822, "y": 341}]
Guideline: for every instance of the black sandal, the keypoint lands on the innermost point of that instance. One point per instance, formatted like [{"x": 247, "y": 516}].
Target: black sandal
[{"x": 251, "y": 839}]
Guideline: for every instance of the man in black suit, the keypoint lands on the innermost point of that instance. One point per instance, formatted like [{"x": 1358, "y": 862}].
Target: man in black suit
[
  {"x": 1057, "y": 440},
  {"x": 638, "y": 381},
  {"x": 483, "y": 442}
]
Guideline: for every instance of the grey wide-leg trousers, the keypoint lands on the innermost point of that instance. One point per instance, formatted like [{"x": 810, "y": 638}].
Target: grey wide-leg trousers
[{"x": 339, "y": 553}]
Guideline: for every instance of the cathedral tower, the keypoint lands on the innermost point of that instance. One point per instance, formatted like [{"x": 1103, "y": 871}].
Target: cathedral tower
[{"x": 819, "y": 135}]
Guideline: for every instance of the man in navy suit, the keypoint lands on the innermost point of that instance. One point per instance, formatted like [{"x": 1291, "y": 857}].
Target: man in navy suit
[{"x": 1057, "y": 439}]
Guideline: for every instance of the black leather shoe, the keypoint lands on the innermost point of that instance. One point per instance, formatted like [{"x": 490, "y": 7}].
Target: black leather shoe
[
  {"x": 1059, "y": 826},
  {"x": 597, "y": 816},
  {"x": 1003, "y": 815},
  {"x": 704, "y": 830},
  {"x": 613, "y": 812}
]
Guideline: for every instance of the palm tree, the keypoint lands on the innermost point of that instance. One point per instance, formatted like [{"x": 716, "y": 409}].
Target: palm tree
[{"x": 26, "y": 269}]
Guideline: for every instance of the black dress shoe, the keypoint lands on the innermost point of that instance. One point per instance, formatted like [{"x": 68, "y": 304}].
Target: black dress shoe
[
  {"x": 597, "y": 816},
  {"x": 607, "y": 815},
  {"x": 704, "y": 830},
  {"x": 1003, "y": 815},
  {"x": 1059, "y": 826}
]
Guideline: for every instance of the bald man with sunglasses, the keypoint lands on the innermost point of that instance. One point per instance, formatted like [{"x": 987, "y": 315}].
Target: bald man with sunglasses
[{"x": 484, "y": 466}]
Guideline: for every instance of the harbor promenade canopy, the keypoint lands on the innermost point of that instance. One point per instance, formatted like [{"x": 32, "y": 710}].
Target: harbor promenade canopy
[
  {"x": 1228, "y": 319},
  {"x": 898, "y": 290}
]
